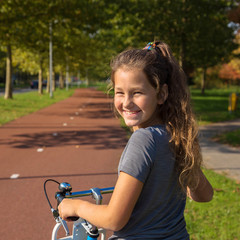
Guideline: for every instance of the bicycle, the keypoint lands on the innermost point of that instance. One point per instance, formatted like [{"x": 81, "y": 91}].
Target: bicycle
[{"x": 82, "y": 230}]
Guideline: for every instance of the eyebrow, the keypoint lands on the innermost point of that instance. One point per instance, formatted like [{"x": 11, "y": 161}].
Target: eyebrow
[{"x": 117, "y": 88}]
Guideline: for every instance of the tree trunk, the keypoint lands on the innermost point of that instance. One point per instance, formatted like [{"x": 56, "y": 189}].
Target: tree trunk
[
  {"x": 203, "y": 81},
  {"x": 40, "y": 79},
  {"x": 48, "y": 83},
  {"x": 8, "y": 86},
  {"x": 86, "y": 78},
  {"x": 53, "y": 81},
  {"x": 67, "y": 77},
  {"x": 182, "y": 61},
  {"x": 61, "y": 82}
]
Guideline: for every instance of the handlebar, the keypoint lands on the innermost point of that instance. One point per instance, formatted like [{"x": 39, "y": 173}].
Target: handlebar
[
  {"x": 90, "y": 192},
  {"x": 65, "y": 191},
  {"x": 96, "y": 193}
]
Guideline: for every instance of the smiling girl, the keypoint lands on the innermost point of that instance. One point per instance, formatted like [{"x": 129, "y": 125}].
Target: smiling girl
[{"x": 160, "y": 165}]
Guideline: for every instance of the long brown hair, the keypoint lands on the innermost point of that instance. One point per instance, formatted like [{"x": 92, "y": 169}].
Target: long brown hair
[{"x": 176, "y": 114}]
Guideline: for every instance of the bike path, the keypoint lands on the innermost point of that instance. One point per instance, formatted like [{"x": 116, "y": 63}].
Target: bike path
[
  {"x": 76, "y": 140},
  {"x": 220, "y": 157}
]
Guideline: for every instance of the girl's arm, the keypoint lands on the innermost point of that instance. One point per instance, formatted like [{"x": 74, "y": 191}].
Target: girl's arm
[
  {"x": 113, "y": 216},
  {"x": 204, "y": 190}
]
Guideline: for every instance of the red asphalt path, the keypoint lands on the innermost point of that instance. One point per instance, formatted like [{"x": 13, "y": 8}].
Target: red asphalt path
[{"x": 77, "y": 140}]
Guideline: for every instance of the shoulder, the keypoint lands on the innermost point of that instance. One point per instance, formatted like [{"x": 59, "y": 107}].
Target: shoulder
[
  {"x": 149, "y": 139},
  {"x": 150, "y": 135},
  {"x": 145, "y": 146}
]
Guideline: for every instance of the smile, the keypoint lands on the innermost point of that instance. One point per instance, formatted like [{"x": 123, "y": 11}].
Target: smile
[{"x": 131, "y": 112}]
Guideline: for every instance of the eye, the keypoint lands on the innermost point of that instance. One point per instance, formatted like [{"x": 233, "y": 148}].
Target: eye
[
  {"x": 119, "y": 93},
  {"x": 137, "y": 93}
]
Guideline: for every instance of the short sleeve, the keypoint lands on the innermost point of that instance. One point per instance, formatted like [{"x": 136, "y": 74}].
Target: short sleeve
[{"x": 138, "y": 156}]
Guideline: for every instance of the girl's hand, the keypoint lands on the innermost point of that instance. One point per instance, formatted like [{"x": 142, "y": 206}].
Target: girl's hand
[
  {"x": 122, "y": 202},
  {"x": 68, "y": 208}
]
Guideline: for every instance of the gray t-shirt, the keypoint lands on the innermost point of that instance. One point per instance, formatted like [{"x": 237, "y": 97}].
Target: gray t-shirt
[{"x": 158, "y": 213}]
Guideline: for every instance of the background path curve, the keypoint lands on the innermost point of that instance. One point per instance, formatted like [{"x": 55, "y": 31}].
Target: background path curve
[{"x": 219, "y": 157}]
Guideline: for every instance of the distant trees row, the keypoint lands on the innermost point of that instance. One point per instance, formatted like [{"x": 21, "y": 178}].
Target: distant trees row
[
  {"x": 86, "y": 34},
  {"x": 231, "y": 71}
]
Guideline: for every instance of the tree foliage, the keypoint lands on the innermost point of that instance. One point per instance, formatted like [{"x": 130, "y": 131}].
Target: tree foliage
[
  {"x": 231, "y": 70},
  {"x": 86, "y": 34}
]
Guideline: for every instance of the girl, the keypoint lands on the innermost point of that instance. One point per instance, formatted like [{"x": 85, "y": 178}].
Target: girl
[{"x": 160, "y": 165}]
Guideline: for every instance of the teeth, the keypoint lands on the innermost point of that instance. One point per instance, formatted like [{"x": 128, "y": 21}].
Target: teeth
[{"x": 129, "y": 113}]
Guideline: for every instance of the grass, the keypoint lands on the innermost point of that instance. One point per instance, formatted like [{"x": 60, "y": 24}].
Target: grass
[
  {"x": 213, "y": 105},
  {"x": 25, "y": 103},
  {"x": 232, "y": 138},
  {"x": 218, "y": 219}
]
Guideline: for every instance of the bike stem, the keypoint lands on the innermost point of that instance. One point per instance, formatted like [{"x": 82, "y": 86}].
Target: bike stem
[{"x": 97, "y": 196}]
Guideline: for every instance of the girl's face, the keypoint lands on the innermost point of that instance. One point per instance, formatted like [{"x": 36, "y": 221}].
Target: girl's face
[{"x": 135, "y": 99}]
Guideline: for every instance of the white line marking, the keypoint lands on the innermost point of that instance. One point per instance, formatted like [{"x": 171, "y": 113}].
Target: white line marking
[
  {"x": 14, "y": 176},
  {"x": 40, "y": 150}
]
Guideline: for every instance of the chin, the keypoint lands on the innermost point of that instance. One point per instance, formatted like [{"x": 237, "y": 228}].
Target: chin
[{"x": 130, "y": 124}]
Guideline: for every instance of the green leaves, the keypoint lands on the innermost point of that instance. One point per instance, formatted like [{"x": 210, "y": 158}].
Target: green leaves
[{"x": 90, "y": 32}]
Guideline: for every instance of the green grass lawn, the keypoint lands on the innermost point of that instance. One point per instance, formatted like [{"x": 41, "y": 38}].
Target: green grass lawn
[
  {"x": 232, "y": 138},
  {"x": 218, "y": 219},
  {"x": 213, "y": 105},
  {"x": 26, "y": 103}
]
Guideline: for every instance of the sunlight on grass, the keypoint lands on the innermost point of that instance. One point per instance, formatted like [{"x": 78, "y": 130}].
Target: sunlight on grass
[
  {"x": 25, "y": 103},
  {"x": 218, "y": 219},
  {"x": 232, "y": 138},
  {"x": 213, "y": 105}
]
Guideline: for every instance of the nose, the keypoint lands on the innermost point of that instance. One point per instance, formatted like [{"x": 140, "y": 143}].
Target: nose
[{"x": 127, "y": 102}]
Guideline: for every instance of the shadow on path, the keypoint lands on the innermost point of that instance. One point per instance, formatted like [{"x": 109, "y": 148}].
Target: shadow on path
[{"x": 101, "y": 138}]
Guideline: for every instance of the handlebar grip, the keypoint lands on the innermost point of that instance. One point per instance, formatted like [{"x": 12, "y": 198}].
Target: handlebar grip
[
  {"x": 59, "y": 196},
  {"x": 72, "y": 219}
]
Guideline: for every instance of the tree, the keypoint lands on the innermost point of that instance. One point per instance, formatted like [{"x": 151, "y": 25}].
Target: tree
[
  {"x": 234, "y": 13},
  {"x": 231, "y": 70},
  {"x": 197, "y": 31},
  {"x": 88, "y": 33},
  {"x": 7, "y": 32},
  {"x": 16, "y": 22},
  {"x": 214, "y": 41}
]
